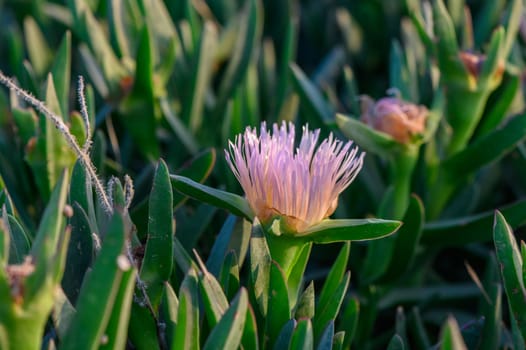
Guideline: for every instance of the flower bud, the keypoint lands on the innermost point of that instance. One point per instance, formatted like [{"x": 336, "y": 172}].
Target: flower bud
[{"x": 399, "y": 119}]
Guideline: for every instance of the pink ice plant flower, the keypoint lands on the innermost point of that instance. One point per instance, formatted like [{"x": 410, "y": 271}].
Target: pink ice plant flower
[{"x": 300, "y": 185}]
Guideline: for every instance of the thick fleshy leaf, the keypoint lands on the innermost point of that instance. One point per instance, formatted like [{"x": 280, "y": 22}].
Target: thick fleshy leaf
[
  {"x": 48, "y": 235},
  {"x": 97, "y": 296},
  {"x": 139, "y": 113},
  {"x": 249, "y": 340},
  {"x": 451, "y": 337},
  {"x": 340, "y": 230},
  {"x": 327, "y": 338},
  {"x": 260, "y": 262},
  {"x": 249, "y": 31},
  {"x": 221, "y": 246},
  {"x": 81, "y": 192},
  {"x": 285, "y": 335},
  {"x": 80, "y": 253},
  {"x": 368, "y": 138},
  {"x": 330, "y": 310},
  {"x": 198, "y": 169},
  {"x": 418, "y": 330},
  {"x": 19, "y": 243},
  {"x": 475, "y": 228},
  {"x": 229, "y": 275},
  {"x": 229, "y": 201},
  {"x": 278, "y": 303},
  {"x": 349, "y": 320},
  {"x": 187, "y": 330},
  {"x": 396, "y": 343},
  {"x": 334, "y": 278},
  {"x": 498, "y": 105},
  {"x": 62, "y": 313},
  {"x": 487, "y": 149},
  {"x": 491, "y": 333},
  {"x": 142, "y": 328},
  {"x": 214, "y": 299},
  {"x": 302, "y": 338},
  {"x": 157, "y": 264},
  {"x": 61, "y": 72},
  {"x": 201, "y": 75},
  {"x": 117, "y": 328},
  {"x": 168, "y": 311},
  {"x": 407, "y": 239},
  {"x": 4, "y": 240},
  {"x": 305, "y": 307},
  {"x": 510, "y": 260},
  {"x": 38, "y": 49},
  {"x": 228, "y": 332},
  {"x": 318, "y": 107}
]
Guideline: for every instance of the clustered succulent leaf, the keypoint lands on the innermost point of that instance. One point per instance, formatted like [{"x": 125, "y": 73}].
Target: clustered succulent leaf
[{"x": 154, "y": 193}]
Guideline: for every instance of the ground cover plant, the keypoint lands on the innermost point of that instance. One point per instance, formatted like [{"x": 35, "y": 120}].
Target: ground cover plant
[{"x": 262, "y": 174}]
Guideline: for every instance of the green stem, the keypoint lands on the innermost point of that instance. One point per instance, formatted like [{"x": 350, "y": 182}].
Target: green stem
[
  {"x": 394, "y": 206},
  {"x": 291, "y": 254},
  {"x": 402, "y": 167},
  {"x": 464, "y": 110}
]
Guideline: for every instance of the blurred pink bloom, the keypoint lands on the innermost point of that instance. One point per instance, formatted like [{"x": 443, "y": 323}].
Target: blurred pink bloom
[
  {"x": 300, "y": 184},
  {"x": 399, "y": 119}
]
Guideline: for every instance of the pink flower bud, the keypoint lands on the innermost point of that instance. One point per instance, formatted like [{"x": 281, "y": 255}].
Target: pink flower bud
[{"x": 399, "y": 119}]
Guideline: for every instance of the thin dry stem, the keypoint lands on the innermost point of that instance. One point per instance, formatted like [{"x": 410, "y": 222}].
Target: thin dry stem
[{"x": 64, "y": 130}]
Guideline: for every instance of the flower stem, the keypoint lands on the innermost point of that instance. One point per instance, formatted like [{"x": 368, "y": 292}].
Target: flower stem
[
  {"x": 291, "y": 254},
  {"x": 464, "y": 110}
]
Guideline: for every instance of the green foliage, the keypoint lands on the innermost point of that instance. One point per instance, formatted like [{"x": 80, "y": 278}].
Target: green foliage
[{"x": 174, "y": 257}]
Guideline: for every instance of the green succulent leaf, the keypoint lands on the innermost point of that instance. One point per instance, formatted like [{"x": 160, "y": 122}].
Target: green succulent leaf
[
  {"x": 249, "y": 339},
  {"x": 396, "y": 343},
  {"x": 214, "y": 299},
  {"x": 309, "y": 94},
  {"x": 498, "y": 105},
  {"x": 487, "y": 149},
  {"x": 187, "y": 330},
  {"x": 349, "y": 320},
  {"x": 97, "y": 296},
  {"x": 157, "y": 264},
  {"x": 511, "y": 263},
  {"x": 302, "y": 338},
  {"x": 475, "y": 228},
  {"x": 368, "y": 138},
  {"x": 491, "y": 333},
  {"x": 305, "y": 306},
  {"x": 142, "y": 328},
  {"x": 334, "y": 278},
  {"x": 340, "y": 230},
  {"x": 327, "y": 337},
  {"x": 249, "y": 32},
  {"x": 229, "y": 275},
  {"x": 139, "y": 112},
  {"x": 406, "y": 241},
  {"x": 200, "y": 78},
  {"x": 329, "y": 311},
  {"x": 38, "y": 49},
  {"x": 61, "y": 72},
  {"x": 229, "y": 201},
  {"x": 117, "y": 328},
  {"x": 278, "y": 303},
  {"x": 228, "y": 332},
  {"x": 260, "y": 264},
  {"x": 80, "y": 252},
  {"x": 451, "y": 339},
  {"x": 285, "y": 335},
  {"x": 19, "y": 241}
]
